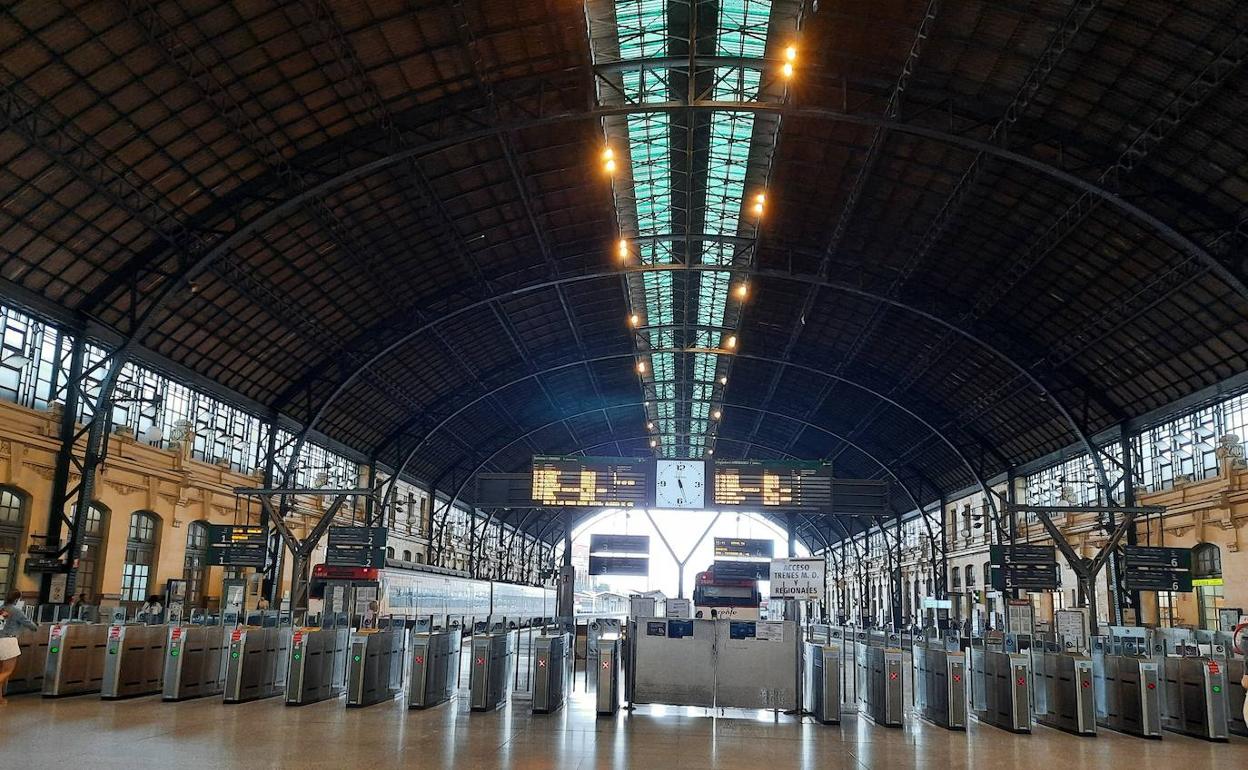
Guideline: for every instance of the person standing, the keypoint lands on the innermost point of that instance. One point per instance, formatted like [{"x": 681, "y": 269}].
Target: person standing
[
  {"x": 12, "y": 621},
  {"x": 150, "y": 612}
]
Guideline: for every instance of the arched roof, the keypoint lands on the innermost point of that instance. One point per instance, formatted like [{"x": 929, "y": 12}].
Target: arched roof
[{"x": 992, "y": 228}]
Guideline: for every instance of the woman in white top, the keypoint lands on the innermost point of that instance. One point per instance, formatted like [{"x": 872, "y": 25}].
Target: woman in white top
[{"x": 12, "y": 621}]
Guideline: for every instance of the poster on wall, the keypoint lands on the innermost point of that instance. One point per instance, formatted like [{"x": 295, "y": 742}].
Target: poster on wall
[{"x": 801, "y": 579}]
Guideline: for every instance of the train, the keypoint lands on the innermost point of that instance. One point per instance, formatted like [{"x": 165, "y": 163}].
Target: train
[
  {"x": 718, "y": 597},
  {"x": 452, "y": 600}
]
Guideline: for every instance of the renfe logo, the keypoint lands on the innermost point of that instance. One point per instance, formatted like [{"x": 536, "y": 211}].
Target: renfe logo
[
  {"x": 237, "y": 636},
  {"x": 1213, "y": 667},
  {"x": 298, "y": 637},
  {"x": 177, "y": 633}
]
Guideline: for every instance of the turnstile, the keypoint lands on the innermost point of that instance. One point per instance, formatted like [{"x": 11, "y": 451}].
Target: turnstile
[
  {"x": 435, "y": 667},
  {"x": 318, "y": 664},
  {"x": 1235, "y": 697},
  {"x": 28, "y": 675},
  {"x": 1064, "y": 696},
  {"x": 879, "y": 675},
  {"x": 940, "y": 684},
  {"x": 1195, "y": 697},
  {"x": 607, "y": 682},
  {"x": 194, "y": 662},
  {"x": 134, "y": 663},
  {"x": 1128, "y": 693},
  {"x": 493, "y": 662},
  {"x": 1001, "y": 689},
  {"x": 75, "y": 660},
  {"x": 257, "y": 663},
  {"x": 375, "y": 666},
  {"x": 551, "y": 657},
  {"x": 821, "y": 692}
]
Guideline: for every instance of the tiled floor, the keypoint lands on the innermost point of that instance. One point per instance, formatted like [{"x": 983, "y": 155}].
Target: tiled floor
[{"x": 89, "y": 734}]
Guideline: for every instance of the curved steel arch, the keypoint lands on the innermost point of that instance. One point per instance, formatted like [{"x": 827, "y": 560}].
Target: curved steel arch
[
  {"x": 459, "y": 489},
  {"x": 390, "y": 348},
  {"x": 411, "y": 454}
]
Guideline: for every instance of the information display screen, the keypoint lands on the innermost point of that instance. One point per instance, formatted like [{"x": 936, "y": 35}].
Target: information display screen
[
  {"x": 790, "y": 486},
  {"x": 236, "y": 545},
  {"x": 590, "y": 482}
]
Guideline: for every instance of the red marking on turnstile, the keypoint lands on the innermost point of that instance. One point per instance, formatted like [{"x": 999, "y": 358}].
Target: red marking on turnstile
[
  {"x": 541, "y": 663},
  {"x": 1213, "y": 667},
  {"x": 298, "y": 638},
  {"x": 420, "y": 660},
  {"x": 480, "y": 661},
  {"x": 1152, "y": 686},
  {"x": 177, "y": 633},
  {"x": 893, "y": 676},
  {"x": 1022, "y": 680},
  {"x": 606, "y": 664},
  {"x": 957, "y": 678},
  {"x": 1086, "y": 684},
  {"x": 237, "y": 636},
  {"x": 114, "y": 633}
]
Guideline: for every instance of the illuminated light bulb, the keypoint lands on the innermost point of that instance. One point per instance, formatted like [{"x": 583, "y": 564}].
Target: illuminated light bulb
[
  {"x": 723, "y": 380},
  {"x": 608, "y": 154},
  {"x": 732, "y": 342},
  {"x": 634, "y": 319},
  {"x": 609, "y": 166},
  {"x": 743, "y": 291},
  {"x": 760, "y": 199},
  {"x": 649, "y": 426},
  {"x": 641, "y": 367},
  {"x": 622, "y": 248},
  {"x": 790, "y": 53},
  {"x": 717, "y": 414},
  {"x": 787, "y": 69},
  {"x": 710, "y": 451},
  {"x": 653, "y": 443}
]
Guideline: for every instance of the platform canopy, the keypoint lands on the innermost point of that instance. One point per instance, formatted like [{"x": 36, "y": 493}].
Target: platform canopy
[{"x": 924, "y": 241}]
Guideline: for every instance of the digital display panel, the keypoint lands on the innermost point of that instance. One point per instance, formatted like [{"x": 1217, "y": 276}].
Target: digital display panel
[
  {"x": 590, "y": 482},
  {"x": 790, "y": 486}
]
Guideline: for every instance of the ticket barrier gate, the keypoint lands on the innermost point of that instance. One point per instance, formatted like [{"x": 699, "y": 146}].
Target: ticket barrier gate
[
  {"x": 28, "y": 675},
  {"x": 257, "y": 663},
  {"x": 1065, "y": 696},
  {"x": 318, "y": 663},
  {"x": 610, "y": 659},
  {"x": 879, "y": 675},
  {"x": 821, "y": 692},
  {"x": 1195, "y": 697},
  {"x": 1235, "y": 697},
  {"x": 435, "y": 667},
  {"x": 940, "y": 683},
  {"x": 75, "y": 659},
  {"x": 1127, "y": 692},
  {"x": 493, "y": 664},
  {"x": 1001, "y": 688},
  {"x": 194, "y": 662},
  {"x": 552, "y": 656},
  {"x": 135, "y": 661},
  {"x": 375, "y": 665}
]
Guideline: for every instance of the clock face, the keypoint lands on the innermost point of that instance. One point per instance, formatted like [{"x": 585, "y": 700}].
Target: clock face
[{"x": 680, "y": 484}]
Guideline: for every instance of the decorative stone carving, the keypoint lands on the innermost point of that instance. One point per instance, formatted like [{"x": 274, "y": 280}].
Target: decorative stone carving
[{"x": 1230, "y": 453}]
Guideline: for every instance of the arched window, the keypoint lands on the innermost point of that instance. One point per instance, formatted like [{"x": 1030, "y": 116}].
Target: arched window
[
  {"x": 407, "y": 555},
  {"x": 389, "y": 552},
  {"x": 987, "y": 574},
  {"x": 195, "y": 563},
  {"x": 970, "y": 576},
  {"x": 91, "y": 546},
  {"x": 136, "y": 575},
  {"x": 12, "y": 522},
  {"x": 1207, "y": 565},
  {"x": 1207, "y": 561}
]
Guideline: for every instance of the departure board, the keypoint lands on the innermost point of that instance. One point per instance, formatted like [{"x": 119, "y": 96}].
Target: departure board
[
  {"x": 590, "y": 482},
  {"x": 792, "y": 486}
]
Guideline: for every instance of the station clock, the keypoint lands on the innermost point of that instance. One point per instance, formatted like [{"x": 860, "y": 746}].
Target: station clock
[{"x": 680, "y": 484}]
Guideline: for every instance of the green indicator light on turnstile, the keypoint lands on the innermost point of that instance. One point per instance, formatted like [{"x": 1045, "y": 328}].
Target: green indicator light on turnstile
[
  {"x": 234, "y": 655},
  {"x": 356, "y": 658},
  {"x": 173, "y": 653},
  {"x": 298, "y": 656},
  {"x": 54, "y": 649},
  {"x": 1217, "y": 688}
]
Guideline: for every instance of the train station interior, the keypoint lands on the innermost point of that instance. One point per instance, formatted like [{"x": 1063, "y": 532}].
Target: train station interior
[{"x": 623, "y": 383}]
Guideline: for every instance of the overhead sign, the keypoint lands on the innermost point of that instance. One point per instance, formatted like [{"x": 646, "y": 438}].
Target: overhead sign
[
  {"x": 356, "y": 547},
  {"x": 236, "y": 545},
  {"x": 619, "y": 565},
  {"x": 798, "y": 579},
  {"x": 619, "y": 544},
  {"x": 1156, "y": 569},
  {"x": 755, "y": 484},
  {"x": 590, "y": 482},
  {"x": 744, "y": 548},
  {"x": 1024, "y": 567},
  {"x": 729, "y": 569},
  {"x": 40, "y": 564}
]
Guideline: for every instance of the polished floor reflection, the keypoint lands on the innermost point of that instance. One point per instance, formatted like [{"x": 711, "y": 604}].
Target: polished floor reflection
[{"x": 87, "y": 733}]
